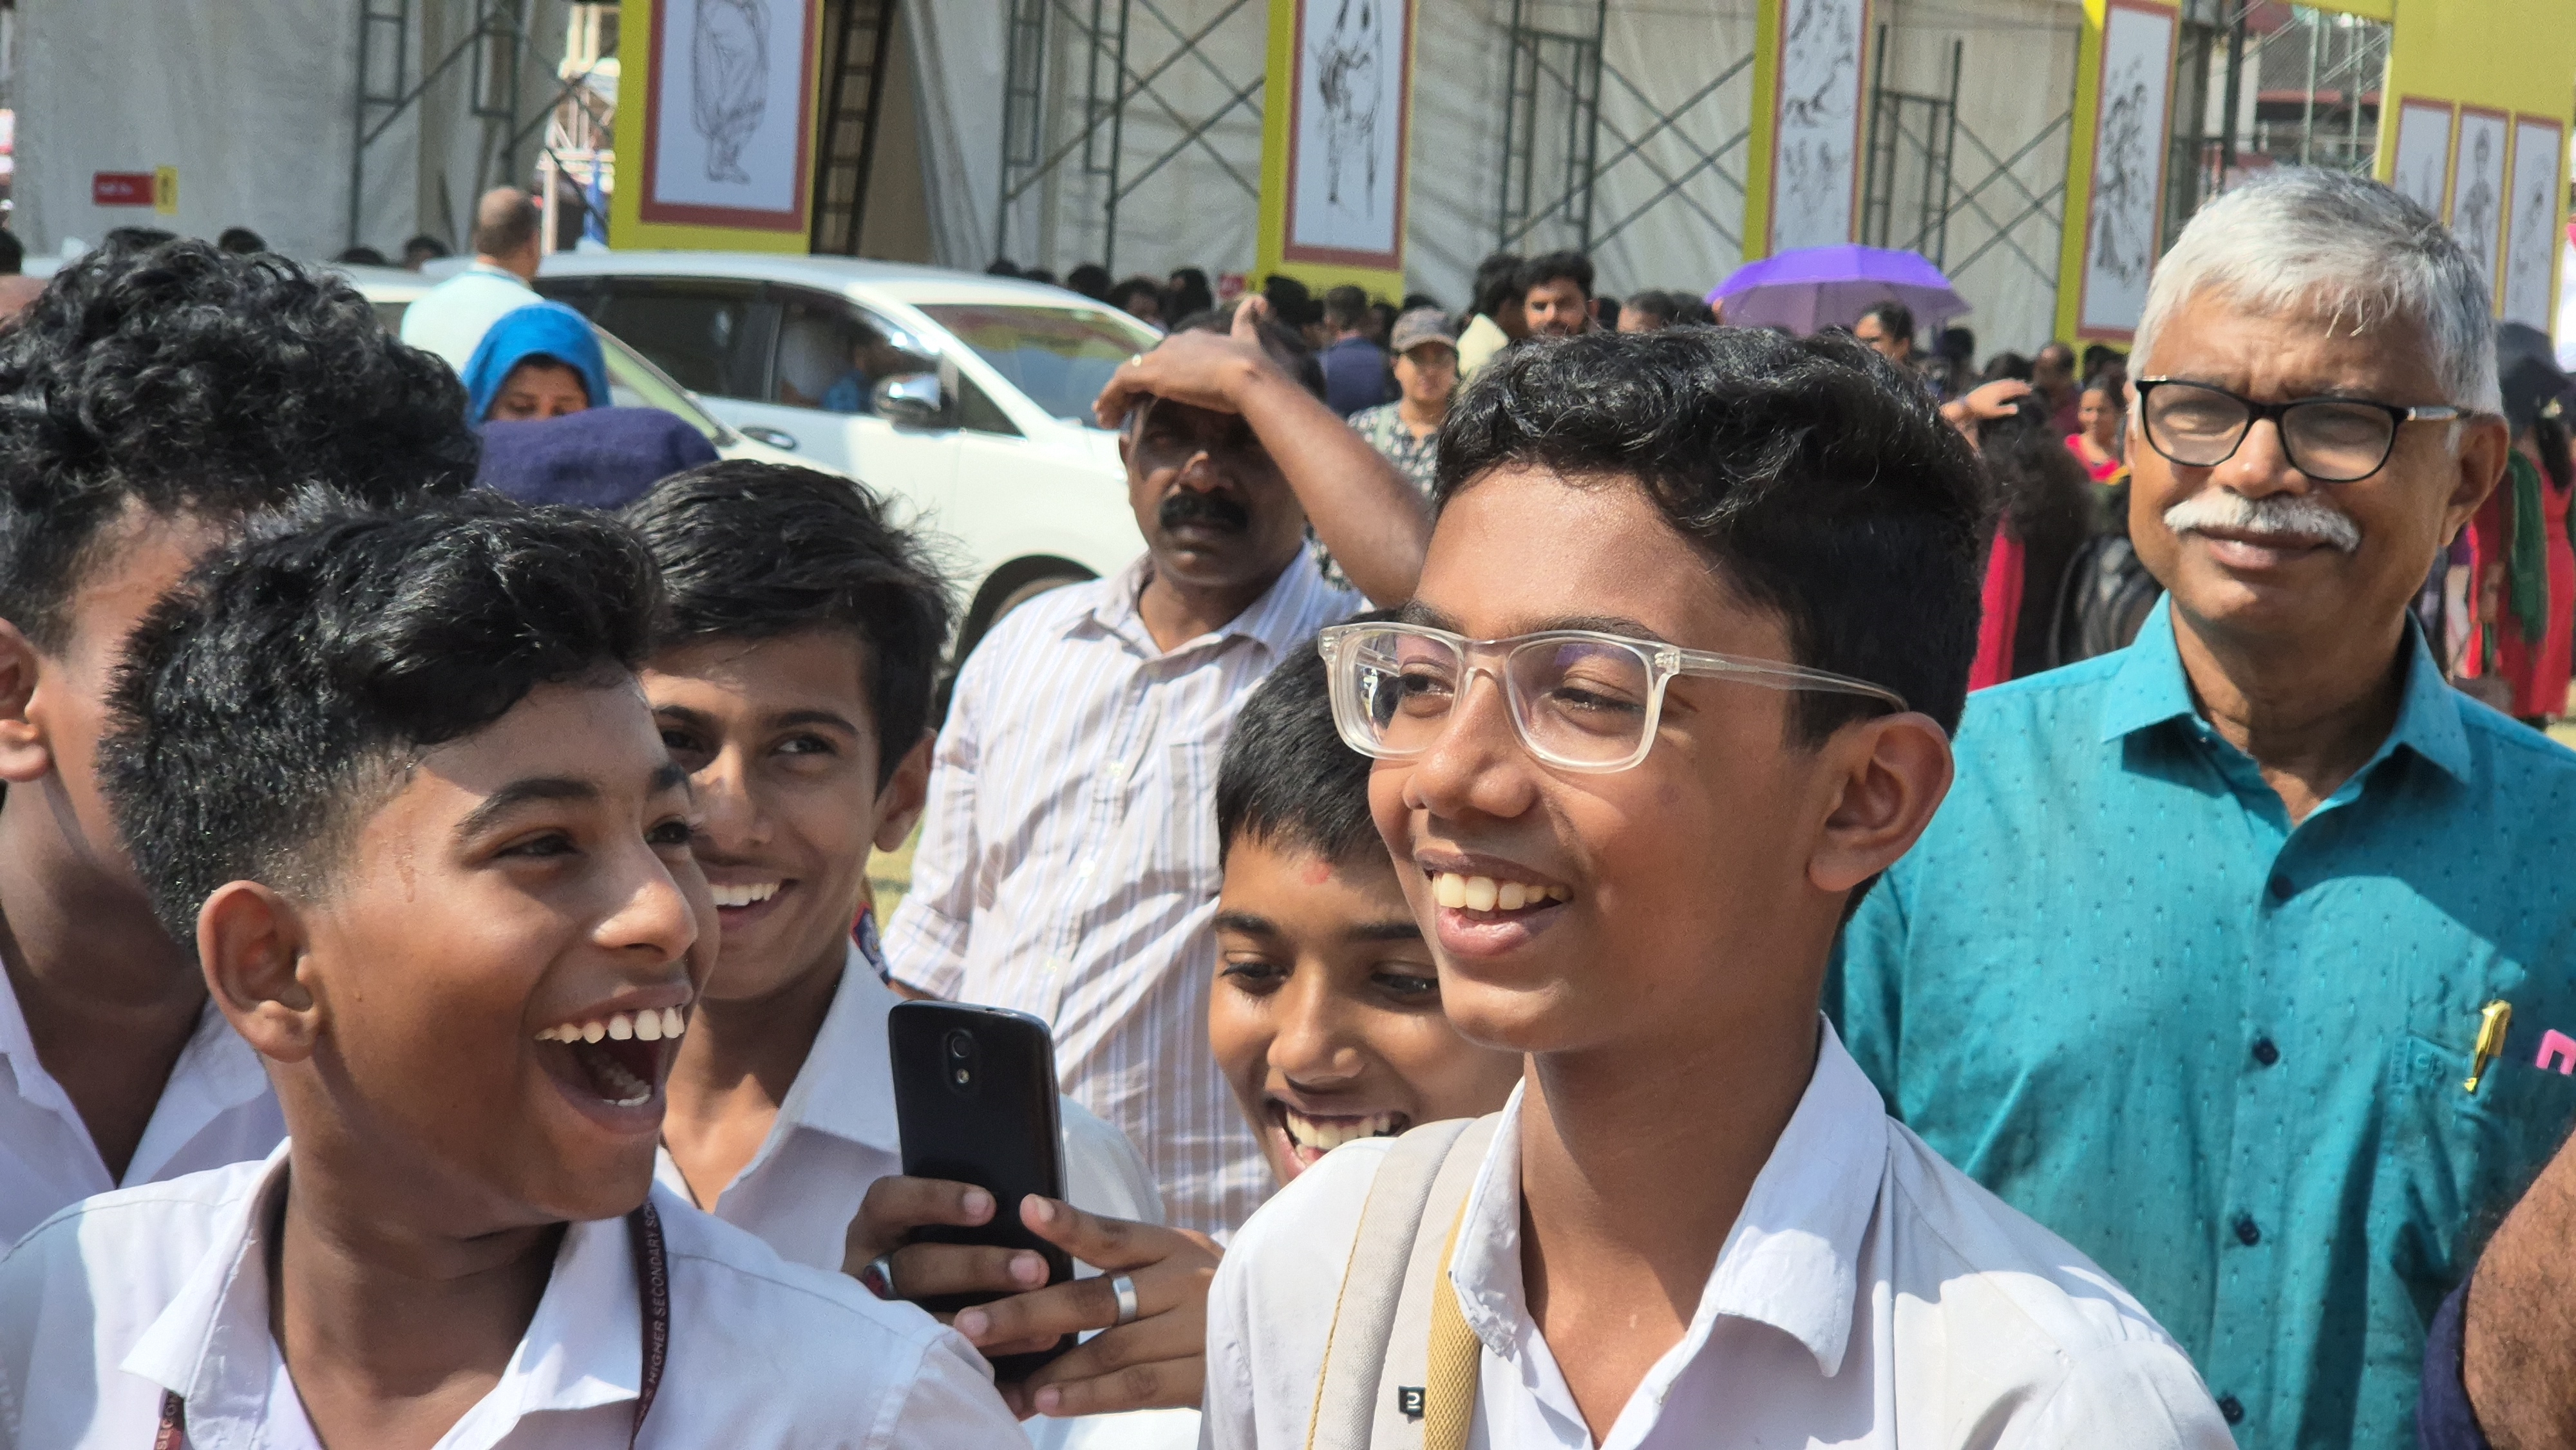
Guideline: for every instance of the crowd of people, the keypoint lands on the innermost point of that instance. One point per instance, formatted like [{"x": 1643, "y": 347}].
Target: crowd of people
[{"x": 1608, "y": 903}]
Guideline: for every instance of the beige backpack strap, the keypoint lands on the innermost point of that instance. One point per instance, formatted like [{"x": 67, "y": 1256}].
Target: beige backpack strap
[
  {"x": 1417, "y": 1192},
  {"x": 1456, "y": 1357},
  {"x": 1412, "y": 1399}
]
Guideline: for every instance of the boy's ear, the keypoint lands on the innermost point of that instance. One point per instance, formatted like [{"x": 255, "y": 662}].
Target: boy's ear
[
  {"x": 900, "y": 803},
  {"x": 25, "y": 756},
  {"x": 250, "y": 941},
  {"x": 1895, "y": 771}
]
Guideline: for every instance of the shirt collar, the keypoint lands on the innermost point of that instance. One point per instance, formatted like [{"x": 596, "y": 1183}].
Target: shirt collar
[
  {"x": 2150, "y": 688},
  {"x": 481, "y": 268},
  {"x": 1792, "y": 1260},
  {"x": 211, "y": 1346},
  {"x": 1277, "y": 621},
  {"x": 216, "y": 1072},
  {"x": 844, "y": 1089}
]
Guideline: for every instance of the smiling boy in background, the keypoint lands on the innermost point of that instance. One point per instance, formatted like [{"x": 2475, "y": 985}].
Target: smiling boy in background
[{"x": 1326, "y": 1014}]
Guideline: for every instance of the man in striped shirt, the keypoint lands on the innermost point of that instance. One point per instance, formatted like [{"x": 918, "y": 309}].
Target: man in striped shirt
[{"x": 1068, "y": 857}]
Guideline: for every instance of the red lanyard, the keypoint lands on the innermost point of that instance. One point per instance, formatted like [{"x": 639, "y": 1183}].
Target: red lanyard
[{"x": 652, "y": 1278}]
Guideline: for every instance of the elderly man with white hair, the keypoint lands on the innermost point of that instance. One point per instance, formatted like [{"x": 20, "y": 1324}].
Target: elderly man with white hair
[{"x": 2229, "y": 954}]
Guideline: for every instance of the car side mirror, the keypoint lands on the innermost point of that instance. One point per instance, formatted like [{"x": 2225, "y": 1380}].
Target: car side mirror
[{"x": 912, "y": 400}]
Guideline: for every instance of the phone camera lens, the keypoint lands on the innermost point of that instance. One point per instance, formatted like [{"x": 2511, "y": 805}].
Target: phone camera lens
[
  {"x": 960, "y": 1076},
  {"x": 961, "y": 1044}
]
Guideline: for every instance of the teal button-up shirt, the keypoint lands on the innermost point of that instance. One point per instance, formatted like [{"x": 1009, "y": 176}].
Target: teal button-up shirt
[{"x": 2221, "y": 1055}]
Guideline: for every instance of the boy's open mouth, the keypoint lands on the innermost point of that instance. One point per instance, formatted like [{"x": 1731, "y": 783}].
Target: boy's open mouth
[
  {"x": 1310, "y": 1137},
  {"x": 1492, "y": 899},
  {"x": 624, "y": 1053}
]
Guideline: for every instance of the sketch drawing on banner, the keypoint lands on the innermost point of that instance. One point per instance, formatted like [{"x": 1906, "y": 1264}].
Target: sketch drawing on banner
[
  {"x": 729, "y": 80},
  {"x": 728, "y": 100},
  {"x": 1346, "y": 81},
  {"x": 2477, "y": 187},
  {"x": 1817, "y": 138},
  {"x": 2531, "y": 231},
  {"x": 2128, "y": 167},
  {"x": 2423, "y": 153},
  {"x": 1348, "y": 127}
]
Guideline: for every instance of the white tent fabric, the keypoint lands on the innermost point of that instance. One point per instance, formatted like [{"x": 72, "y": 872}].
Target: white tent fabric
[
  {"x": 1664, "y": 214},
  {"x": 253, "y": 103}
]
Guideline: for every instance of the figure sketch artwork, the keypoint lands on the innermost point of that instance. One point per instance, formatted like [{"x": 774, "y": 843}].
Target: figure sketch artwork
[
  {"x": 728, "y": 93},
  {"x": 1345, "y": 200},
  {"x": 1816, "y": 142},
  {"x": 2128, "y": 168},
  {"x": 2477, "y": 186},
  {"x": 2531, "y": 230},
  {"x": 2423, "y": 153}
]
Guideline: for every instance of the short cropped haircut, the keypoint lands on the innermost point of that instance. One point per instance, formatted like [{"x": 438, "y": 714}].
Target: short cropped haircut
[
  {"x": 1286, "y": 779},
  {"x": 1817, "y": 478},
  {"x": 1344, "y": 306},
  {"x": 755, "y": 551},
  {"x": 2322, "y": 242},
  {"x": 182, "y": 379},
  {"x": 281, "y": 693},
  {"x": 1894, "y": 317},
  {"x": 1540, "y": 270},
  {"x": 1497, "y": 283}
]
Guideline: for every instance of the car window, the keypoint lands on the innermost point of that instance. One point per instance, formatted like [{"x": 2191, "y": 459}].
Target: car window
[
  {"x": 1061, "y": 357},
  {"x": 711, "y": 337},
  {"x": 832, "y": 354},
  {"x": 633, "y": 382},
  {"x": 978, "y": 413}
]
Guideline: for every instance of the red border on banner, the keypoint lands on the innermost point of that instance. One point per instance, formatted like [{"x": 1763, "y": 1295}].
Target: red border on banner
[
  {"x": 1860, "y": 128},
  {"x": 650, "y": 208},
  {"x": 1289, "y": 250},
  {"x": 2164, "y": 152}
]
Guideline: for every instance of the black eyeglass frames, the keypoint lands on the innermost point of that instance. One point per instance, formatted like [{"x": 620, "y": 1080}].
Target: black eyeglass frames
[{"x": 2331, "y": 440}]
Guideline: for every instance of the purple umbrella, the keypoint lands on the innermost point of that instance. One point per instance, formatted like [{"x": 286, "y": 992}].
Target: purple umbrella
[{"x": 1817, "y": 287}]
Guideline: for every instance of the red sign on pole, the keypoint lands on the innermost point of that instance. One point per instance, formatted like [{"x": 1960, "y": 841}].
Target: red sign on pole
[{"x": 120, "y": 188}]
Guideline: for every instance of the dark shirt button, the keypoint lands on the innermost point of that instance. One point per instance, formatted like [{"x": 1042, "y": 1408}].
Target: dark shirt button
[
  {"x": 2280, "y": 888},
  {"x": 2233, "y": 1408},
  {"x": 2264, "y": 1052},
  {"x": 2246, "y": 1233}
]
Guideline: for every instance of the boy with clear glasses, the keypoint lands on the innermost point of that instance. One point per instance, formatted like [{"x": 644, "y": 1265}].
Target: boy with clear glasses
[{"x": 1642, "y": 737}]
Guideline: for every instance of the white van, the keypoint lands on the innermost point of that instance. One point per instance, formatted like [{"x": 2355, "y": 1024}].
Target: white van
[{"x": 967, "y": 396}]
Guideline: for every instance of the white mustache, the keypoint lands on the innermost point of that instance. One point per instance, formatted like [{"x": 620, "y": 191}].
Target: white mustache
[{"x": 2299, "y": 516}]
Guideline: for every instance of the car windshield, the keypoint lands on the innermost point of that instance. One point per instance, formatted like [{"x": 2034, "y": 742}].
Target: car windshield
[{"x": 1059, "y": 356}]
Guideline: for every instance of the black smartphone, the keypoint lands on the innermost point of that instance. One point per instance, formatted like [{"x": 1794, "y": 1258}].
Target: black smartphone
[{"x": 975, "y": 1100}]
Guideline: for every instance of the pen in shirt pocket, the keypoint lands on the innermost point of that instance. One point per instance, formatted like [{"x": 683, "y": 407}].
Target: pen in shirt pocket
[{"x": 2493, "y": 1019}]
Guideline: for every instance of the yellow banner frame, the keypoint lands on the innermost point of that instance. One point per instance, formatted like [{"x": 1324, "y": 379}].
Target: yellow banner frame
[
  {"x": 627, "y": 228},
  {"x": 1272, "y": 253}
]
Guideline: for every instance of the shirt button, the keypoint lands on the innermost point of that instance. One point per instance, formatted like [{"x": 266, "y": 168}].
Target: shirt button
[
  {"x": 2246, "y": 1232},
  {"x": 2280, "y": 888},
  {"x": 2232, "y": 1408},
  {"x": 2264, "y": 1052}
]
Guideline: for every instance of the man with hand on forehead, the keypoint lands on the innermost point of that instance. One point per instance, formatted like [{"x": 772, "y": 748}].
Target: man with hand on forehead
[
  {"x": 2208, "y": 960},
  {"x": 1068, "y": 866}
]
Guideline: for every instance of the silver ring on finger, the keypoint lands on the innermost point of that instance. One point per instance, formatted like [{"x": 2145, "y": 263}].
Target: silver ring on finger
[
  {"x": 878, "y": 1277},
  {"x": 1125, "y": 1289}
]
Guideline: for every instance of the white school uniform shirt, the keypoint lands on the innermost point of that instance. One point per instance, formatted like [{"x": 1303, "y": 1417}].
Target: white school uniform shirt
[
  {"x": 1868, "y": 1295},
  {"x": 1068, "y": 858},
  {"x": 165, "y": 1288},
  {"x": 836, "y": 1134},
  {"x": 216, "y": 1109}
]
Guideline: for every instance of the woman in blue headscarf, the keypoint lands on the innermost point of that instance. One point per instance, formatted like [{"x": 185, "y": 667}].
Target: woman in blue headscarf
[{"x": 541, "y": 361}]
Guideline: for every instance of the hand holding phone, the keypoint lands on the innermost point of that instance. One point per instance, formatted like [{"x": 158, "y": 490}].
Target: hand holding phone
[{"x": 975, "y": 1099}]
